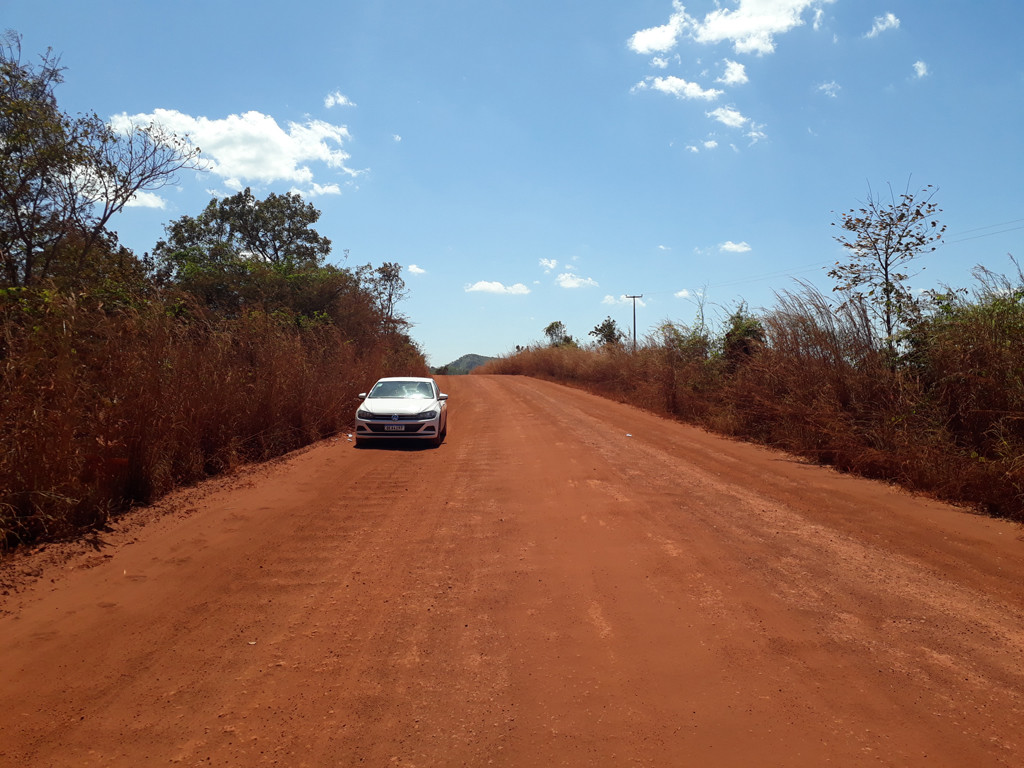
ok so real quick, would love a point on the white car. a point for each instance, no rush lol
(401, 407)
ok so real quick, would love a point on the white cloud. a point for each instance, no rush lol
(659, 62)
(730, 247)
(571, 280)
(883, 24)
(664, 248)
(683, 294)
(735, 74)
(752, 26)
(830, 89)
(337, 99)
(756, 133)
(396, 138)
(920, 69)
(253, 148)
(415, 270)
(316, 190)
(663, 38)
(691, 148)
(676, 86)
(710, 144)
(146, 200)
(548, 264)
(623, 299)
(483, 286)
(729, 116)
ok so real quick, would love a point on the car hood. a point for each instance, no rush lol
(388, 405)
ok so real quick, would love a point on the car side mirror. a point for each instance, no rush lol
(361, 395)
(442, 397)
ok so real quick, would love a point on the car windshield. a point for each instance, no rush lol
(406, 390)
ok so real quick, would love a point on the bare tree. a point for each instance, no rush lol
(62, 178)
(882, 237)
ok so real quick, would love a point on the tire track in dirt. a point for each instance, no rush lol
(542, 590)
(897, 617)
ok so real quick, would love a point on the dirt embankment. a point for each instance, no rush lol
(566, 581)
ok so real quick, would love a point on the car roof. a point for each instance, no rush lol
(405, 378)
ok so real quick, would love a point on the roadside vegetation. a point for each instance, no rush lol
(922, 390)
(122, 377)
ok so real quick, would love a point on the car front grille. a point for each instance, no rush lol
(408, 429)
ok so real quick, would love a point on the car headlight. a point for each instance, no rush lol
(432, 414)
(361, 414)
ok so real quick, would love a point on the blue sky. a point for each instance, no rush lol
(531, 161)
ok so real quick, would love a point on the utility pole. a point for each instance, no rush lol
(634, 298)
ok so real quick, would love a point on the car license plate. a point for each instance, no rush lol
(394, 428)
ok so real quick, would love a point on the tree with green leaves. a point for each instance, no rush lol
(558, 336)
(277, 231)
(744, 337)
(62, 178)
(244, 252)
(386, 285)
(881, 238)
(607, 333)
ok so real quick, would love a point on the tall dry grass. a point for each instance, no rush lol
(945, 418)
(101, 409)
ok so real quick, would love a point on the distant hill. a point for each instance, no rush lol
(463, 365)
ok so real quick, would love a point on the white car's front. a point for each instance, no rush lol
(404, 408)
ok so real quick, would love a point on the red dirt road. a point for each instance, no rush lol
(565, 582)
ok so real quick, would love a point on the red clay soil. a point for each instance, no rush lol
(565, 582)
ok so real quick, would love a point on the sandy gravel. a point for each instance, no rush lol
(565, 582)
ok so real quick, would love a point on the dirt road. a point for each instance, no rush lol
(565, 582)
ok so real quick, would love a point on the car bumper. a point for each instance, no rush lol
(385, 428)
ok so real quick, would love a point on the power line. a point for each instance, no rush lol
(757, 278)
(822, 265)
(987, 234)
(989, 226)
(771, 275)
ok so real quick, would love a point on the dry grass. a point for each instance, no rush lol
(103, 409)
(946, 418)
